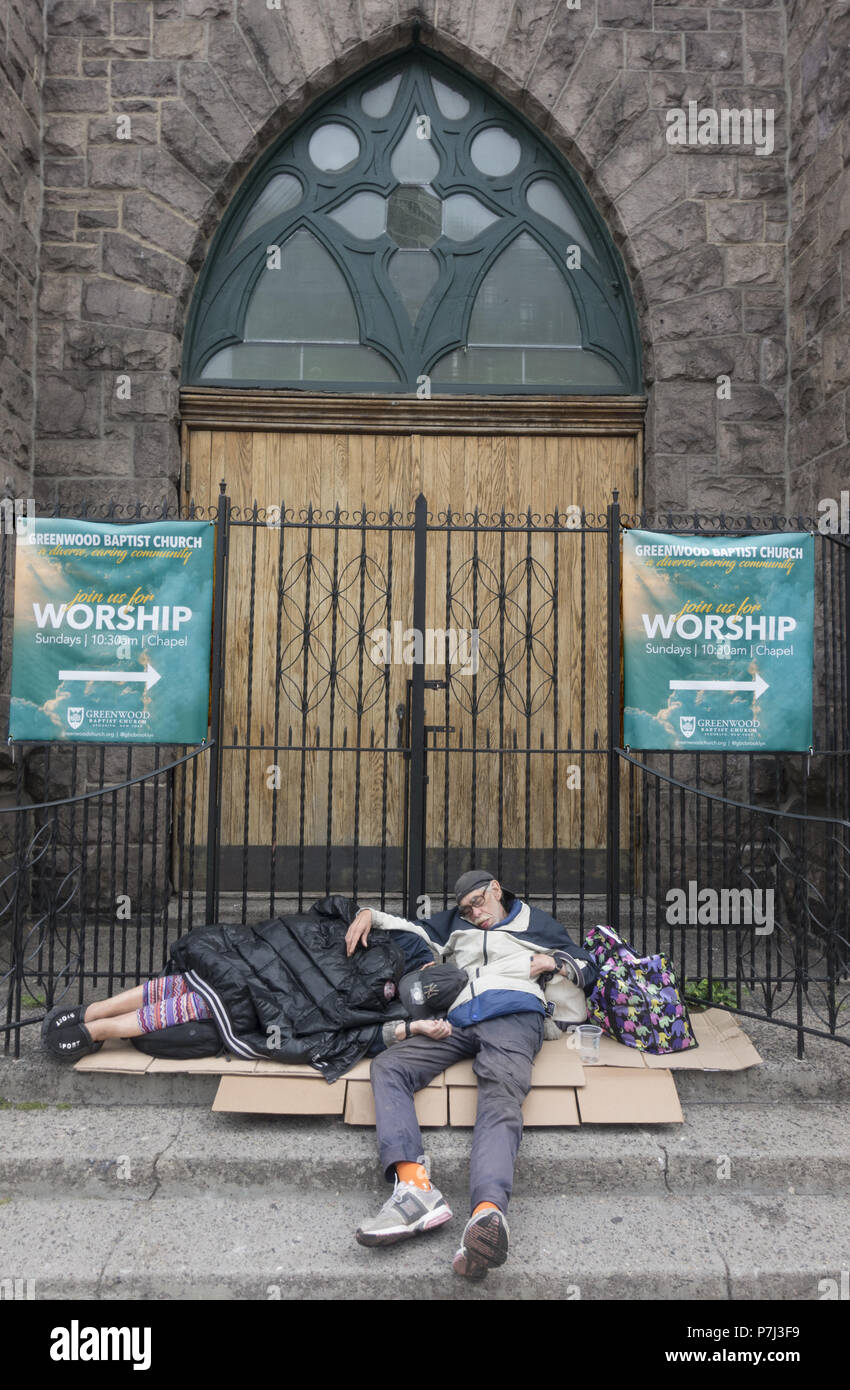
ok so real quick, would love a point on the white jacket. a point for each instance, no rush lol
(497, 963)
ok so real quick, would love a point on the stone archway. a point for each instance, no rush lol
(127, 222)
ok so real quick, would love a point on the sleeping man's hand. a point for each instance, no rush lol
(358, 932)
(431, 1027)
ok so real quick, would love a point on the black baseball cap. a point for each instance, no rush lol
(432, 990)
(472, 879)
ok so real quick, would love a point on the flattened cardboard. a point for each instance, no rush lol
(626, 1087)
(460, 1074)
(431, 1104)
(121, 1056)
(362, 1070)
(203, 1066)
(624, 1096)
(285, 1095)
(268, 1067)
(556, 1064)
(614, 1054)
(115, 1056)
(551, 1105)
(723, 1046)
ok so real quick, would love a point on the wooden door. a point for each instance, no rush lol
(313, 722)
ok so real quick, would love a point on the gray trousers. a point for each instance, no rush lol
(503, 1050)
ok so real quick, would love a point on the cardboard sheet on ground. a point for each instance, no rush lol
(280, 1095)
(431, 1105)
(723, 1046)
(119, 1057)
(627, 1087)
(621, 1096)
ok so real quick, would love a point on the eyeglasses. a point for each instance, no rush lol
(474, 906)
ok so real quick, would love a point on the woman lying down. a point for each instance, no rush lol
(169, 1000)
(284, 990)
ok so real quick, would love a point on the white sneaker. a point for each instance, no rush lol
(409, 1212)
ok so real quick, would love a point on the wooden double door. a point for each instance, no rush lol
(320, 637)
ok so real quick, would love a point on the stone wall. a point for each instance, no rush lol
(21, 67)
(819, 166)
(208, 84)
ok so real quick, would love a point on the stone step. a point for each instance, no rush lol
(300, 1245)
(128, 1153)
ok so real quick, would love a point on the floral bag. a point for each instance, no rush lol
(636, 999)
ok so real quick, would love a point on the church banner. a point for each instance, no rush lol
(112, 631)
(718, 641)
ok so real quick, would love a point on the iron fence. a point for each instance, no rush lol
(751, 903)
(343, 757)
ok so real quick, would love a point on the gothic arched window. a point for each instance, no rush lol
(414, 227)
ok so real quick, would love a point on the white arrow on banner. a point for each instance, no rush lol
(149, 676)
(758, 685)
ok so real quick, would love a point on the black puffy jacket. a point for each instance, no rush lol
(285, 990)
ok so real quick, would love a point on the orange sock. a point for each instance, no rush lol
(415, 1173)
(486, 1206)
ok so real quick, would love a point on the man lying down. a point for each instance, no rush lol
(476, 981)
(520, 965)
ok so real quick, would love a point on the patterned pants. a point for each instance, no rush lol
(169, 1000)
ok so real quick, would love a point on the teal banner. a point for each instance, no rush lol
(112, 631)
(718, 641)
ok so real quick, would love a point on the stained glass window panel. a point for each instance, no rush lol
(568, 367)
(415, 217)
(378, 101)
(415, 159)
(495, 152)
(307, 297)
(453, 104)
(464, 217)
(256, 362)
(479, 366)
(333, 147)
(365, 215)
(279, 195)
(545, 197)
(354, 364)
(414, 274)
(524, 299)
(526, 367)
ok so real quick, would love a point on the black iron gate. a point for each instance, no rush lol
(337, 765)
(482, 729)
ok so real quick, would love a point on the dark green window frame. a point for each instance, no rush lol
(599, 288)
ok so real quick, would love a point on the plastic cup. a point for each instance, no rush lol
(589, 1036)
